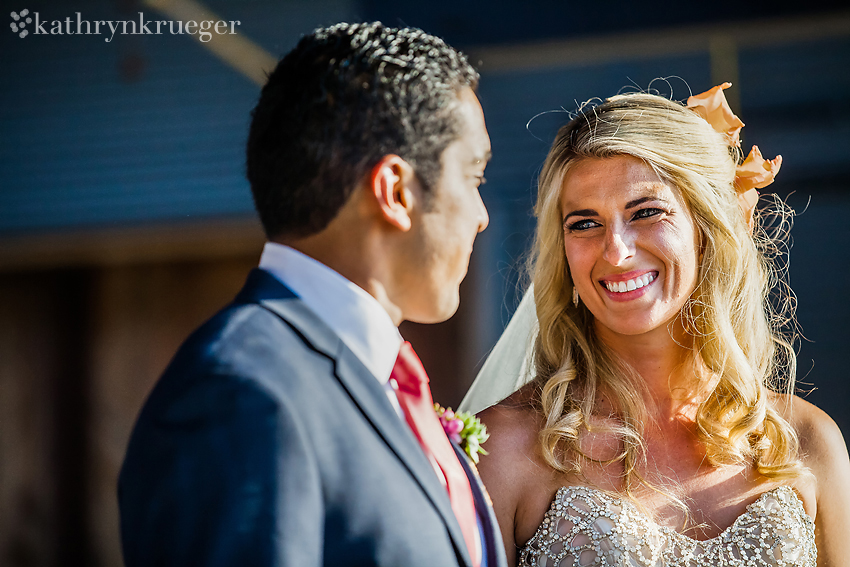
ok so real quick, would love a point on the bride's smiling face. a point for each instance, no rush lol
(631, 244)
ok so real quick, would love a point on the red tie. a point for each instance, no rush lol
(414, 396)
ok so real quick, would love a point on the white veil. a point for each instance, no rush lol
(510, 364)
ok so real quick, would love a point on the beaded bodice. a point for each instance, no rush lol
(586, 527)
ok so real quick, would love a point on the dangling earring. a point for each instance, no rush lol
(575, 296)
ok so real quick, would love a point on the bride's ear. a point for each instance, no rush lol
(390, 182)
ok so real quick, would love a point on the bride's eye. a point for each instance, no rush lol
(646, 213)
(581, 225)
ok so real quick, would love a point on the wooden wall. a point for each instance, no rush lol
(80, 349)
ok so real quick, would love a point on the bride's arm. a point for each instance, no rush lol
(824, 451)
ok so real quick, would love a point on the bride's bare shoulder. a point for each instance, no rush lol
(519, 481)
(820, 438)
(824, 452)
(513, 463)
(513, 423)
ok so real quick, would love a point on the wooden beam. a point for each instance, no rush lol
(657, 43)
(214, 238)
(235, 50)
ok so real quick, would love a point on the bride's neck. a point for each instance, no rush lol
(672, 373)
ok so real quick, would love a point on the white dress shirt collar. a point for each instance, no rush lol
(355, 316)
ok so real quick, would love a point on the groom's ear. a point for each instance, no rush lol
(391, 183)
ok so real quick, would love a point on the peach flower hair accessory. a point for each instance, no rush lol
(714, 109)
(756, 172)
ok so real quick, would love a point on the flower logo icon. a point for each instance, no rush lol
(20, 23)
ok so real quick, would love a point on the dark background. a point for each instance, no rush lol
(125, 218)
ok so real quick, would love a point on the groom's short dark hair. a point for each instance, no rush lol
(345, 97)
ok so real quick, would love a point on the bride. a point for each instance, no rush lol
(658, 424)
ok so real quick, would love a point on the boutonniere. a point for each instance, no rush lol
(464, 429)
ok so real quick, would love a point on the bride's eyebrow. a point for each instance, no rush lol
(642, 200)
(581, 213)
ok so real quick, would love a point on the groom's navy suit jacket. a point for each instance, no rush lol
(268, 443)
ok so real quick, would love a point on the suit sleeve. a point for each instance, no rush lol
(221, 475)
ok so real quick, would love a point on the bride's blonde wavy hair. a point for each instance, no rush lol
(740, 334)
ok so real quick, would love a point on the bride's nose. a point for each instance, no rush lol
(619, 246)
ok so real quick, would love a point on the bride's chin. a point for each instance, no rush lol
(627, 326)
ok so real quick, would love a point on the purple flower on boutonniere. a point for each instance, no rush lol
(451, 424)
(464, 429)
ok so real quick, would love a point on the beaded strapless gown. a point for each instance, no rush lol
(586, 527)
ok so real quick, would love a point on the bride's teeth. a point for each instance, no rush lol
(631, 285)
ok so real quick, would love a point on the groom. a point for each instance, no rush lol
(295, 428)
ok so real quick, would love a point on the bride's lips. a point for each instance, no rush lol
(629, 285)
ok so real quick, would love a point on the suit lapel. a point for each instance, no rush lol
(489, 526)
(361, 386)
